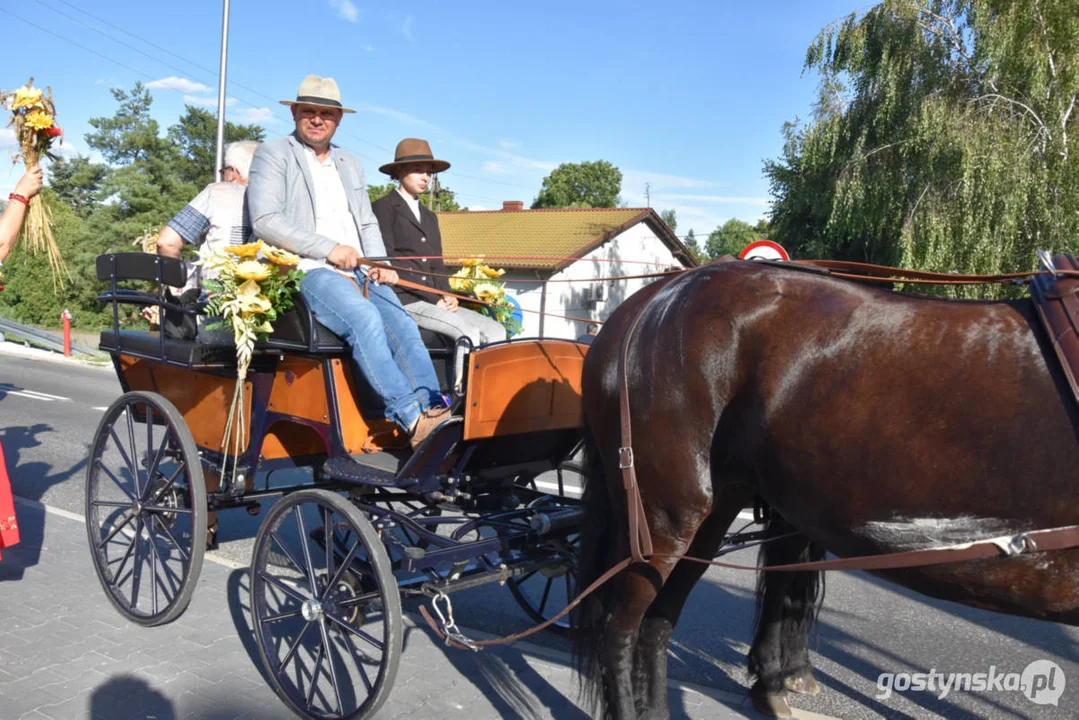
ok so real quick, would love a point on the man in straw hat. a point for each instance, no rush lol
(411, 230)
(310, 197)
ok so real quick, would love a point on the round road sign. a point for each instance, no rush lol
(764, 250)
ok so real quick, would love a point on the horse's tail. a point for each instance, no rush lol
(791, 599)
(597, 542)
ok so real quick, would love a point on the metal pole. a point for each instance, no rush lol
(219, 155)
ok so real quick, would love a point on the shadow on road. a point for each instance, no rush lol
(129, 697)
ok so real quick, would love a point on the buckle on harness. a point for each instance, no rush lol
(625, 458)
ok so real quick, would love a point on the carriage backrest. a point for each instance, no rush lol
(142, 266)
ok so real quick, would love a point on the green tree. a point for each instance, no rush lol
(131, 134)
(588, 184)
(694, 248)
(763, 228)
(195, 136)
(78, 183)
(730, 238)
(668, 216)
(943, 138)
(379, 191)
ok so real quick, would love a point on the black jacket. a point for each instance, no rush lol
(404, 236)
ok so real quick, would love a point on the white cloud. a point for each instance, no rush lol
(497, 168)
(7, 138)
(370, 48)
(178, 83)
(346, 10)
(406, 27)
(255, 115)
(476, 208)
(506, 144)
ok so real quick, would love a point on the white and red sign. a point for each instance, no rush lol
(764, 250)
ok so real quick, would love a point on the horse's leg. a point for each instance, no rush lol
(787, 603)
(672, 534)
(799, 618)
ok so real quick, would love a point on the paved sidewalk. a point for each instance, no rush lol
(66, 654)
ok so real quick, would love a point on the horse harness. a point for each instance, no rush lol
(1054, 285)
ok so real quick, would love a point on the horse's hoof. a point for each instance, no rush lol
(803, 684)
(771, 704)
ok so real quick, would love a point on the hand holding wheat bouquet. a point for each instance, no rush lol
(33, 118)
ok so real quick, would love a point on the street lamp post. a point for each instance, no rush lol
(219, 155)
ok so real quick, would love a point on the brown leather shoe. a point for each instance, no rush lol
(429, 420)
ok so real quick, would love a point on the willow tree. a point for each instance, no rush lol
(943, 137)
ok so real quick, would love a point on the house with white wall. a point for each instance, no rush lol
(541, 249)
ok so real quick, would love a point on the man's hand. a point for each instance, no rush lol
(448, 302)
(383, 276)
(29, 184)
(343, 257)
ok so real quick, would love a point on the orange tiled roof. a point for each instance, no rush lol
(548, 235)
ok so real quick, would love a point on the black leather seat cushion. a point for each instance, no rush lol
(140, 342)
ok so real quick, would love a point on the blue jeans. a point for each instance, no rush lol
(384, 339)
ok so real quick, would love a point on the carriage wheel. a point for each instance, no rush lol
(325, 607)
(146, 508)
(544, 593)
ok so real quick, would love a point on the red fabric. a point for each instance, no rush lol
(9, 528)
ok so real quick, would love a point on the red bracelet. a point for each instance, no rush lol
(21, 198)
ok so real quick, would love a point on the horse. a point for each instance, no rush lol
(869, 421)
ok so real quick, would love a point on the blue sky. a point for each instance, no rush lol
(689, 97)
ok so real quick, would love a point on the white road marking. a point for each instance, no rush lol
(574, 491)
(33, 394)
(103, 408)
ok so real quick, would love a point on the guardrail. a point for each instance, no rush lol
(43, 339)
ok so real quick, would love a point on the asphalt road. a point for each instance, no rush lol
(49, 410)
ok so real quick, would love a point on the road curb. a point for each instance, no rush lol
(10, 347)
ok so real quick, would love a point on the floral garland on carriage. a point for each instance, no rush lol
(481, 282)
(248, 288)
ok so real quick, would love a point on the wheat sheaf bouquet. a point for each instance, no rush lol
(248, 288)
(481, 282)
(33, 119)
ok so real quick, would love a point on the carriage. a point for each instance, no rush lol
(363, 522)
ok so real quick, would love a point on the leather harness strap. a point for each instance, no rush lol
(640, 537)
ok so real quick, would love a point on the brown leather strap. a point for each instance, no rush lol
(1036, 541)
(882, 273)
(640, 537)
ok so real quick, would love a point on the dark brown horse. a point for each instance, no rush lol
(868, 420)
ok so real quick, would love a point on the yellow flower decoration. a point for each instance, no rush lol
(491, 272)
(488, 292)
(248, 289)
(471, 262)
(249, 250)
(280, 257)
(26, 96)
(39, 120)
(252, 304)
(461, 281)
(252, 270)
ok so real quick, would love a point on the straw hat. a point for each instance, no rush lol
(315, 90)
(414, 150)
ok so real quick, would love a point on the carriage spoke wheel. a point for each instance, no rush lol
(545, 592)
(146, 508)
(325, 607)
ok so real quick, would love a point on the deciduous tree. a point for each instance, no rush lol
(588, 184)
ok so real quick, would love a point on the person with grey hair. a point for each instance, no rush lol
(217, 217)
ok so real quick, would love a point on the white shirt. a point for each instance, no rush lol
(332, 217)
(413, 202)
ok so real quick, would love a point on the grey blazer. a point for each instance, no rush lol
(281, 201)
